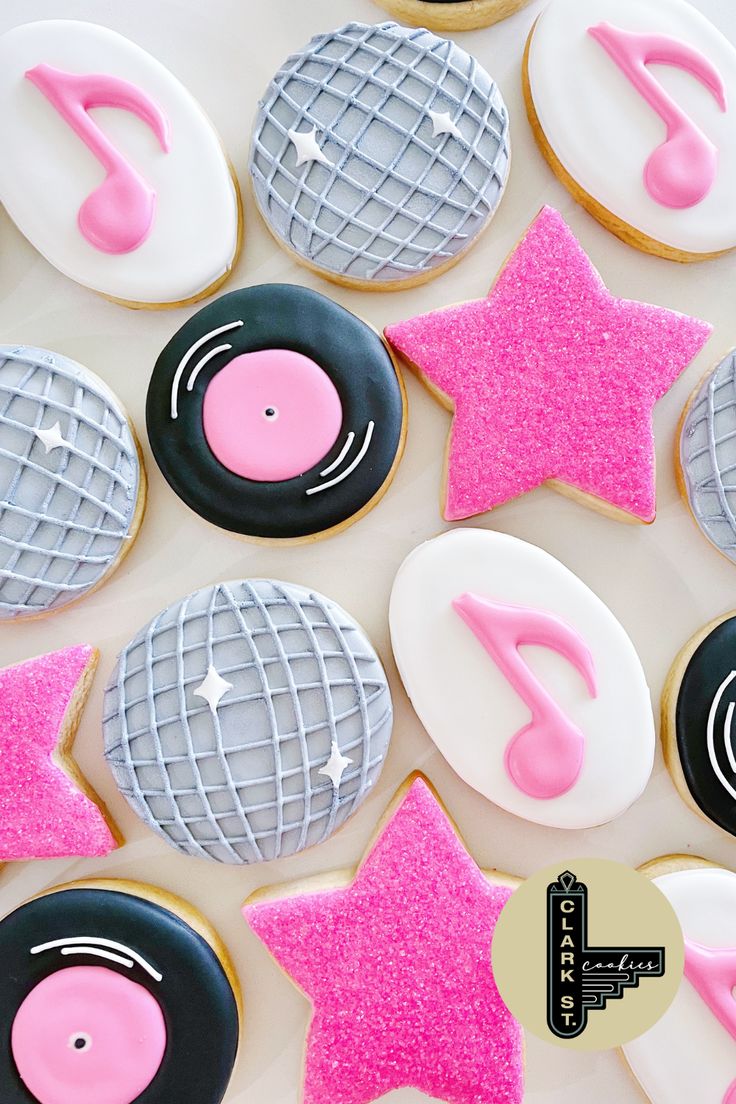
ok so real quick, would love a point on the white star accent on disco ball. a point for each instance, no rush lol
(335, 766)
(443, 124)
(51, 438)
(213, 688)
(305, 144)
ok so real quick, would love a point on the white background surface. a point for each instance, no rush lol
(663, 582)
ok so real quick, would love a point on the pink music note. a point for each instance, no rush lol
(681, 171)
(545, 757)
(712, 973)
(117, 217)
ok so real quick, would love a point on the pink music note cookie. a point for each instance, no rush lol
(690, 1054)
(551, 379)
(47, 809)
(116, 175)
(396, 963)
(523, 678)
(632, 103)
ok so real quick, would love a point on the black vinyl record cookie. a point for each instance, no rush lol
(275, 413)
(109, 996)
(699, 722)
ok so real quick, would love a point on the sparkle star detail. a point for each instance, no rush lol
(397, 966)
(44, 812)
(443, 124)
(305, 144)
(335, 766)
(51, 438)
(551, 379)
(213, 688)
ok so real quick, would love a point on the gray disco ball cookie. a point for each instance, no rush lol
(71, 482)
(708, 456)
(247, 721)
(380, 153)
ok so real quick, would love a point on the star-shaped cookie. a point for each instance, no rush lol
(397, 966)
(552, 379)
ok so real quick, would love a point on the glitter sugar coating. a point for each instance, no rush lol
(397, 967)
(43, 814)
(550, 377)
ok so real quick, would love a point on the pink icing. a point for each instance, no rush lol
(681, 171)
(42, 813)
(545, 757)
(271, 415)
(398, 969)
(117, 217)
(87, 1035)
(712, 972)
(551, 377)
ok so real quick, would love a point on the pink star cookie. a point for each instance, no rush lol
(397, 966)
(551, 379)
(46, 809)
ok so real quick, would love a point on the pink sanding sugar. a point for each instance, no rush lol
(551, 377)
(398, 969)
(43, 814)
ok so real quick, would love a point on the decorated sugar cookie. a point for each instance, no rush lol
(706, 459)
(47, 810)
(137, 202)
(690, 1053)
(277, 414)
(247, 721)
(72, 483)
(396, 964)
(118, 993)
(451, 15)
(551, 379)
(632, 103)
(379, 154)
(697, 709)
(524, 679)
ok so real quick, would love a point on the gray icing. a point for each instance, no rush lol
(65, 513)
(394, 200)
(708, 456)
(239, 781)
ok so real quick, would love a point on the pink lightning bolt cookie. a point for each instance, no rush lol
(397, 967)
(551, 379)
(47, 810)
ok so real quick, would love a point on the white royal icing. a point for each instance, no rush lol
(469, 708)
(47, 171)
(689, 1055)
(603, 131)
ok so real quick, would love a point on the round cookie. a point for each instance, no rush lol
(697, 706)
(72, 482)
(275, 413)
(706, 456)
(451, 15)
(689, 1053)
(247, 721)
(562, 735)
(379, 155)
(630, 102)
(119, 993)
(140, 203)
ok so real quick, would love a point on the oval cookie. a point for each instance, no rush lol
(119, 993)
(277, 414)
(72, 483)
(707, 456)
(690, 1053)
(137, 203)
(247, 721)
(632, 104)
(697, 708)
(451, 15)
(561, 735)
(379, 154)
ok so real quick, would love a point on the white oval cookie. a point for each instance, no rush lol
(690, 1054)
(635, 102)
(111, 169)
(560, 733)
